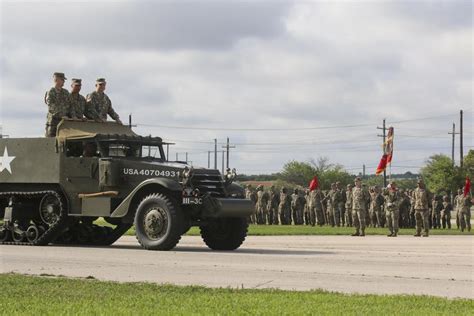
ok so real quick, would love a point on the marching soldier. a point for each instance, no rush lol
(422, 212)
(284, 208)
(272, 206)
(57, 100)
(446, 212)
(359, 208)
(101, 103)
(465, 211)
(392, 201)
(349, 205)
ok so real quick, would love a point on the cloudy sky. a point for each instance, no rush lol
(283, 79)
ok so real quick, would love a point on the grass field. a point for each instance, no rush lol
(27, 295)
(267, 230)
(284, 230)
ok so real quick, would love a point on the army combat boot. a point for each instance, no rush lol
(362, 234)
(395, 234)
(390, 235)
(356, 233)
(426, 233)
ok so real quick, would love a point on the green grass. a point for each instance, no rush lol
(280, 230)
(27, 295)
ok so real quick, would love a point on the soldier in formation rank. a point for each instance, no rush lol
(359, 207)
(422, 213)
(392, 202)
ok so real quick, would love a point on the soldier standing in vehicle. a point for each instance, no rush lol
(101, 103)
(446, 213)
(359, 208)
(57, 100)
(272, 206)
(284, 208)
(422, 212)
(349, 205)
(465, 211)
(262, 201)
(78, 107)
(392, 201)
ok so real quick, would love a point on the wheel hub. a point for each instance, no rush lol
(155, 223)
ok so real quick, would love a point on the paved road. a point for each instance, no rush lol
(438, 265)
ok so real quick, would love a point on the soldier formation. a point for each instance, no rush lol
(72, 105)
(358, 206)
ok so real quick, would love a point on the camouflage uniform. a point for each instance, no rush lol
(339, 205)
(465, 212)
(457, 206)
(392, 212)
(284, 208)
(316, 204)
(437, 206)
(297, 205)
(412, 209)
(376, 208)
(359, 210)
(446, 213)
(307, 216)
(262, 201)
(57, 101)
(252, 196)
(332, 201)
(349, 205)
(272, 206)
(101, 103)
(404, 210)
(422, 212)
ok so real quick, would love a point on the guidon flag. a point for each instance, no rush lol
(314, 184)
(387, 153)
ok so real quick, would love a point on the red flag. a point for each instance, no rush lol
(387, 153)
(313, 185)
(467, 187)
(382, 165)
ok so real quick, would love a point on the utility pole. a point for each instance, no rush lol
(215, 153)
(130, 125)
(461, 138)
(228, 147)
(363, 171)
(223, 152)
(208, 159)
(186, 157)
(453, 142)
(384, 129)
(167, 152)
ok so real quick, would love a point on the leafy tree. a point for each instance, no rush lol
(440, 174)
(468, 165)
(299, 173)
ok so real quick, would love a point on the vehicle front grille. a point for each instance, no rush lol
(208, 181)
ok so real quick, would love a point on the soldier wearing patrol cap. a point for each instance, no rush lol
(57, 100)
(359, 207)
(422, 212)
(101, 103)
(79, 109)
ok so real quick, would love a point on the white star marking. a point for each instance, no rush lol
(5, 161)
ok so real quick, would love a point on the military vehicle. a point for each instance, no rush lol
(94, 181)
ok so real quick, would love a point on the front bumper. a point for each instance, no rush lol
(221, 208)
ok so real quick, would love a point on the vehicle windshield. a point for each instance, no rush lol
(114, 149)
(131, 150)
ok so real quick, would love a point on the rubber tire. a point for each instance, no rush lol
(235, 233)
(175, 222)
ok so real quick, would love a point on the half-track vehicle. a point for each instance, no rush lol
(92, 182)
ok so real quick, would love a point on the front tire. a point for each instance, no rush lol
(158, 222)
(225, 233)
